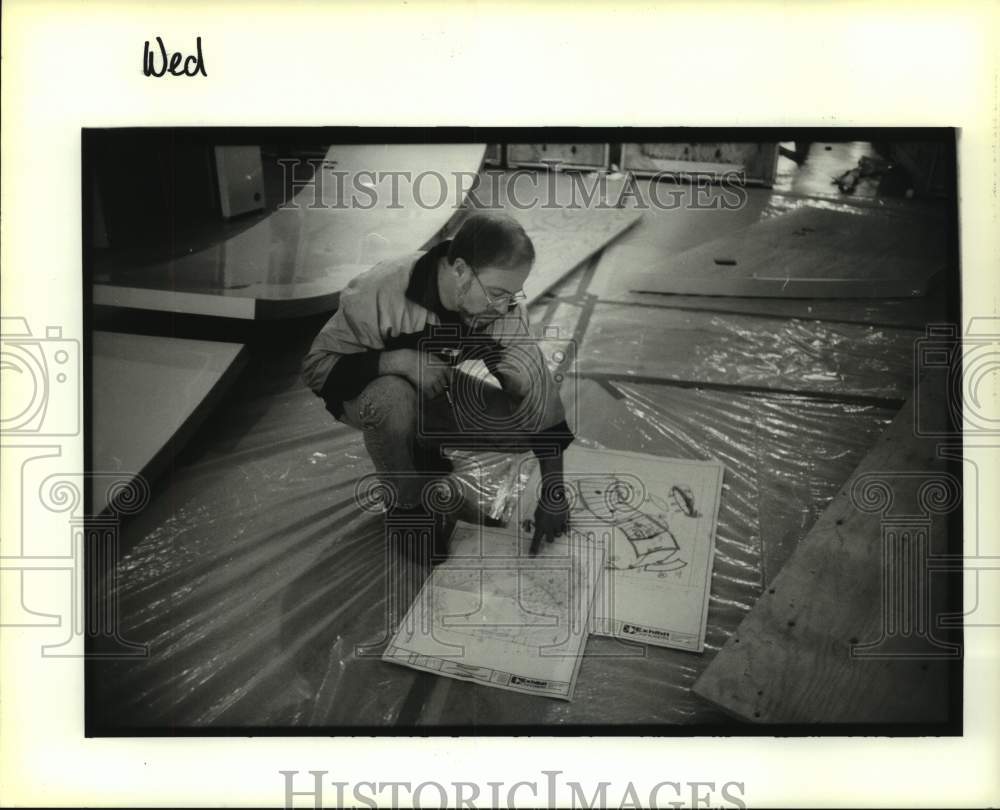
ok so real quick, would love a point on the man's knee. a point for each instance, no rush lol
(388, 403)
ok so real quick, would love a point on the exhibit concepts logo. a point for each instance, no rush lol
(649, 632)
(54, 540)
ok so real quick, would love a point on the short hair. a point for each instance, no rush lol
(492, 240)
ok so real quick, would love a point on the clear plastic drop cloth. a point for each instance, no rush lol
(835, 359)
(258, 582)
(259, 585)
(785, 456)
(254, 580)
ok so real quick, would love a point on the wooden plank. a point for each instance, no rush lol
(218, 306)
(149, 395)
(791, 661)
(814, 253)
(565, 238)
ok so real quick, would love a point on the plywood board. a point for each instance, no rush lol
(657, 518)
(493, 615)
(146, 391)
(818, 646)
(812, 253)
(143, 298)
(630, 263)
(298, 259)
(564, 238)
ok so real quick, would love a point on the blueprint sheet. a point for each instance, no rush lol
(496, 616)
(657, 518)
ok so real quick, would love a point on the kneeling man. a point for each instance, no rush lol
(385, 364)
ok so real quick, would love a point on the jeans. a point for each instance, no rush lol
(400, 426)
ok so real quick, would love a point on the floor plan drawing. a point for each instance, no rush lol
(656, 517)
(495, 615)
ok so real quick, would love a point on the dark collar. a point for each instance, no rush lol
(423, 286)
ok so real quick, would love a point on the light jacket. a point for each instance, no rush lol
(396, 305)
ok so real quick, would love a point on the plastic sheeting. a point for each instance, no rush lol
(253, 579)
(740, 350)
(785, 458)
(254, 575)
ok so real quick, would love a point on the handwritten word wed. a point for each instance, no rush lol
(171, 63)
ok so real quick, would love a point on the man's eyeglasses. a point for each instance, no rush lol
(503, 301)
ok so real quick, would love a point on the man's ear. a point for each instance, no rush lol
(461, 267)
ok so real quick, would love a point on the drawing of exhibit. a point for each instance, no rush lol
(649, 533)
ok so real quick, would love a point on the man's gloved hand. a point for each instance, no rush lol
(551, 514)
